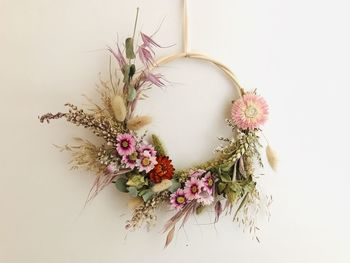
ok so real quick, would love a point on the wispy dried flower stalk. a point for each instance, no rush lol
(99, 125)
(84, 155)
(146, 212)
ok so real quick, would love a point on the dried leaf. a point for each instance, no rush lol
(170, 236)
(218, 211)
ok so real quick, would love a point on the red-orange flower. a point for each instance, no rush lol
(163, 170)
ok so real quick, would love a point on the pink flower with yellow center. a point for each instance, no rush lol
(126, 144)
(193, 188)
(147, 148)
(130, 161)
(208, 182)
(146, 162)
(249, 112)
(178, 199)
(206, 197)
(197, 173)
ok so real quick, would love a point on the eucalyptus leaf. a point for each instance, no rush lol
(120, 184)
(133, 191)
(131, 93)
(147, 194)
(129, 48)
(174, 185)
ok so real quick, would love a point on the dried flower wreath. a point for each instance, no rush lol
(145, 171)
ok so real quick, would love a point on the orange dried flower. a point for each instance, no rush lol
(163, 170)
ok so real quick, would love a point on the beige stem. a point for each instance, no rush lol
(186, 54)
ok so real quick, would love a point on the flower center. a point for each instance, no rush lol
(125, 144)
(146, 161)
(133, 156)
(210, 182)
(180, 199)
(251, 112)
(194, 189)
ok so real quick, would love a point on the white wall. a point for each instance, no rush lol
(296, 52)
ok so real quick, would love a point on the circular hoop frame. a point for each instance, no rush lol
(202, 57)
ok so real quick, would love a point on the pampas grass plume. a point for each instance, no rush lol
(271, 157)
(119, 108)
(138, 122)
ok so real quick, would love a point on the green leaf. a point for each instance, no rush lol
(225, 178)
(147, 194)
(133, 191)
(221, 187)
(158, 145)
(132, 71)
(129, 48)
(131, 93)
(120, 184)
(174, 186)
(126, 73)
(226, 167)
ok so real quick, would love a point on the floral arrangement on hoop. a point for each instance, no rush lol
(143, 169)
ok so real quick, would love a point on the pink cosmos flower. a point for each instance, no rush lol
(147, 148)
(208, 182)
(178, 199)
(249, 112)
(193, 188)
(197, 173)
(206, 197)
(126, 144)
(146, 162)
(130, 161)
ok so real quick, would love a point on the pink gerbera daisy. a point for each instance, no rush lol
(249, 112)
(193, 188)
(208, 182)
(178, 199)
(130, 161)
(146, 162)
(126, 144)
(147, 148)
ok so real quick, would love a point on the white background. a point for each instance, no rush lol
(296, 52)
